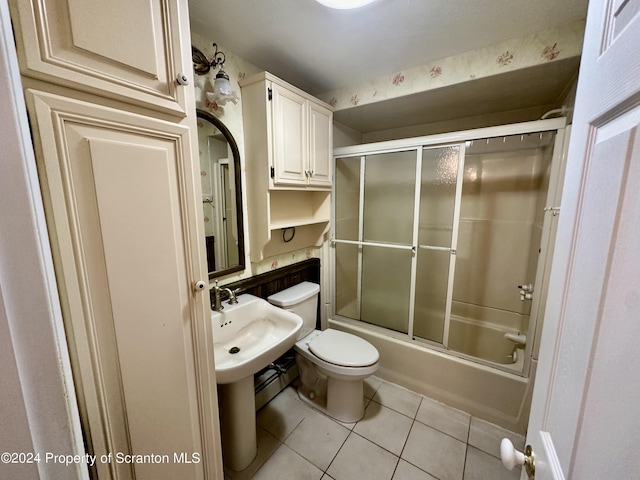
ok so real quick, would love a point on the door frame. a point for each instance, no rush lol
(29, 302)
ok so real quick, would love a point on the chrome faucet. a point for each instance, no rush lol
(217, 298)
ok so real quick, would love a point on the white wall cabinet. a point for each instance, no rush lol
(119, 49)
(288, 150)
(121, 189)
(298, 144)
(302, 145)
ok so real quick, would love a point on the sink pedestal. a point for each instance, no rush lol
(238, 423)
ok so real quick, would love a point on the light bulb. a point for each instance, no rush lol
(344, 4)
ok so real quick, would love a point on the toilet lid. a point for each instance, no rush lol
(341, 348)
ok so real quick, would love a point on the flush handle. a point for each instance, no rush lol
(512, 457)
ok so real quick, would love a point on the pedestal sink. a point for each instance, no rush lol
(247, 336)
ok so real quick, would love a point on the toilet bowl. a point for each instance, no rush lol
(332, 364)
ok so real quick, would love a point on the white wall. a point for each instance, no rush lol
(39, 412)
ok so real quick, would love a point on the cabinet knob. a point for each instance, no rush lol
(182, 79)
(199, 286)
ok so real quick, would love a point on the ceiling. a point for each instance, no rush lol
(319, 49)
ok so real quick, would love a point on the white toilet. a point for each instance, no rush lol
(332, 364)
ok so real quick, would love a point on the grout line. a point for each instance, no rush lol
(337, 453)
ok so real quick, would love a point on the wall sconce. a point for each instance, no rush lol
(222, 91)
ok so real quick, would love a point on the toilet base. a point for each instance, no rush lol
(344, 400)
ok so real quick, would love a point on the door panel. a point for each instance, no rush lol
(609, 390)
(116, 196)
(389, 197)
(583, 402)
(290, 137)
(320, 145)
(439, 190)
(59, 42)
(386, 287)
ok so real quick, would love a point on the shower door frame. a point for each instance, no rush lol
(447, 140)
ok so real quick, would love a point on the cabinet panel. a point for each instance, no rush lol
(320, 145)
(117, 189)
(63, 42)
(290, 137)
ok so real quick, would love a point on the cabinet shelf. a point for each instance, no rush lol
(293, 208)
(295, 222)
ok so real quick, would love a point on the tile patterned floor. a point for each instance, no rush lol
(402, 436)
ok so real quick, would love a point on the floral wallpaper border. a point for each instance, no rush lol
(541, 47)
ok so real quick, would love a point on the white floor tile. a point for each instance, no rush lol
(398, 398)
(406, 471)
(442, 417)
(435, 452)
(285, 464)
(384, 427)
(487, 436)
(371, 384)
(282, 414)
(429, 447)
(318, 439)
(361, 459)
(482, 466)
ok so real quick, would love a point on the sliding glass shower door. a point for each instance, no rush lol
(440, 188)
(395, 239)
(447, 239)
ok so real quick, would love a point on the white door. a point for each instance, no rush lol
(585, 415)
(117, 191)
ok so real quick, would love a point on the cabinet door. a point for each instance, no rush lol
(320, 145)
(290, 153)
(120, 203)
(122, 49)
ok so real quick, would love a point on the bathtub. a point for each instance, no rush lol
(472, 338)
(484, 391)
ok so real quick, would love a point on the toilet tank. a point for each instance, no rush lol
(301, 299)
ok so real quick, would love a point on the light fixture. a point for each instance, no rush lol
(344, 4)
(222, 91)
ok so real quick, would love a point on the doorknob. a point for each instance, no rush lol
(512, 457)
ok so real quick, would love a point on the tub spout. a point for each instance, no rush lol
(516, 338)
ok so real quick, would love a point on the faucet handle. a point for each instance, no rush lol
(233, 296)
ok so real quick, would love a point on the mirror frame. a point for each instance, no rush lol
(238, 181)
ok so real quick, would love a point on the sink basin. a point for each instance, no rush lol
(250, 335)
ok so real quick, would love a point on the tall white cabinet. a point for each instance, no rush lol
(114, 135)
(288, 149)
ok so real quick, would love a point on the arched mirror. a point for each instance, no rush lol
(221, 196)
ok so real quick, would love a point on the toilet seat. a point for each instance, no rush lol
(345, 349)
